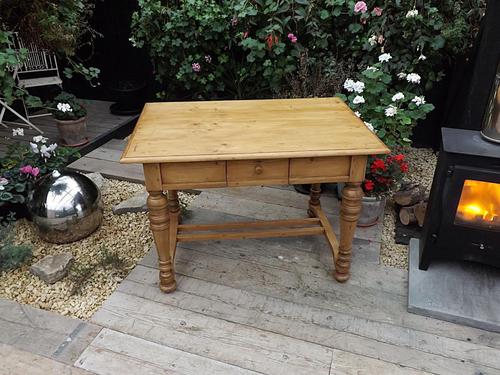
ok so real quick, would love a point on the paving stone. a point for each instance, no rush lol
(457, 291)
(135, 204)
(52, 268)
(97, 178)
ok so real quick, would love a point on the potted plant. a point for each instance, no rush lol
(71, 119)
(383, 175)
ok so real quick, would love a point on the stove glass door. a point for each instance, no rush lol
(479, 205)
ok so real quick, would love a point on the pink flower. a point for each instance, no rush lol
(377, 11)
(234, 21)
(196, 67)
(35, 171)
(245, 35)
(360, 7)
(292, 38)
(27, 169)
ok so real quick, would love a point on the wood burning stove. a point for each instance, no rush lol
(463, 215)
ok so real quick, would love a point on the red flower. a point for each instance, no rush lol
(378, 164)
(271, 40)
(399, 157)
(369, 185)
(404, 167)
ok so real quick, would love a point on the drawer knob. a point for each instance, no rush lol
(259, 169)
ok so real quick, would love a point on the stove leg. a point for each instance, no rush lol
(352, 195)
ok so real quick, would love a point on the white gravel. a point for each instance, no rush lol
(422, 163)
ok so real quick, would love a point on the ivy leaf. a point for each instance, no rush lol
(324, 14)
(355, 27)
(438, 42)
(5, 196)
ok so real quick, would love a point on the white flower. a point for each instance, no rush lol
(369, 126)
(64, 107)
(18, 131)
(384, 57)
(358, 87)
(34, 147)
(391, 111)
(358, 99)
(398, 96)
(412, 13)
(52, 147)
(45, 151)
(40, 139)
(401, 75)
(3, 181)
(357, 114)
(418, 100)
(349, 85)
(413, 78)
(372, 68)
(372, 40)
(422, 57)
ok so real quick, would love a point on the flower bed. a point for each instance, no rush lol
(102, 260)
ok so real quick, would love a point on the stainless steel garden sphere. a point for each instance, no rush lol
(65, 207)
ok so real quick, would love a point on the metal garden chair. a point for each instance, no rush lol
(39, 69)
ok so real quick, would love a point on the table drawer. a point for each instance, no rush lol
(321, 169)
(193, 175)
(257, 172)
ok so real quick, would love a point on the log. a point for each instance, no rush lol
(413, 214)
(410, 195)
(407, 216)
(419, 211)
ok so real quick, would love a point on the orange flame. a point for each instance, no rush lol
(480, 202)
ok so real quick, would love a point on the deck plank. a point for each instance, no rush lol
(19, 362)
(249, 348)
(99, 122)
(113, 352)
(323, 325)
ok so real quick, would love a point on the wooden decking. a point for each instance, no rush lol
(270, 306)
(101, 125)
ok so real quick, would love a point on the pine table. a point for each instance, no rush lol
(192, 145)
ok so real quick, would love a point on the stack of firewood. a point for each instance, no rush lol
(412, 200)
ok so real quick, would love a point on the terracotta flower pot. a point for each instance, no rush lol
(371, 209)
(73, 132)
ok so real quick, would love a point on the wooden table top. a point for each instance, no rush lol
(248, 129)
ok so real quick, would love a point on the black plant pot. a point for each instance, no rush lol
(130, 96)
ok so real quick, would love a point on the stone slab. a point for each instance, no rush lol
(137, 203)
(459, 292)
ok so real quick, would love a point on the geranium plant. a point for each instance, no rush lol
(23, 164)
(384, 174)
(65, 106)
(388, 103)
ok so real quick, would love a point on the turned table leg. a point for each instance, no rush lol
(352, 195)
(174, 214)
(159, 223)
(314, 201)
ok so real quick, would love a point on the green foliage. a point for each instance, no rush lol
(246, 49)
(388, 104)
(11, 255)
(61, 26)
(9, 59)
(65, 106)
(22, 165)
